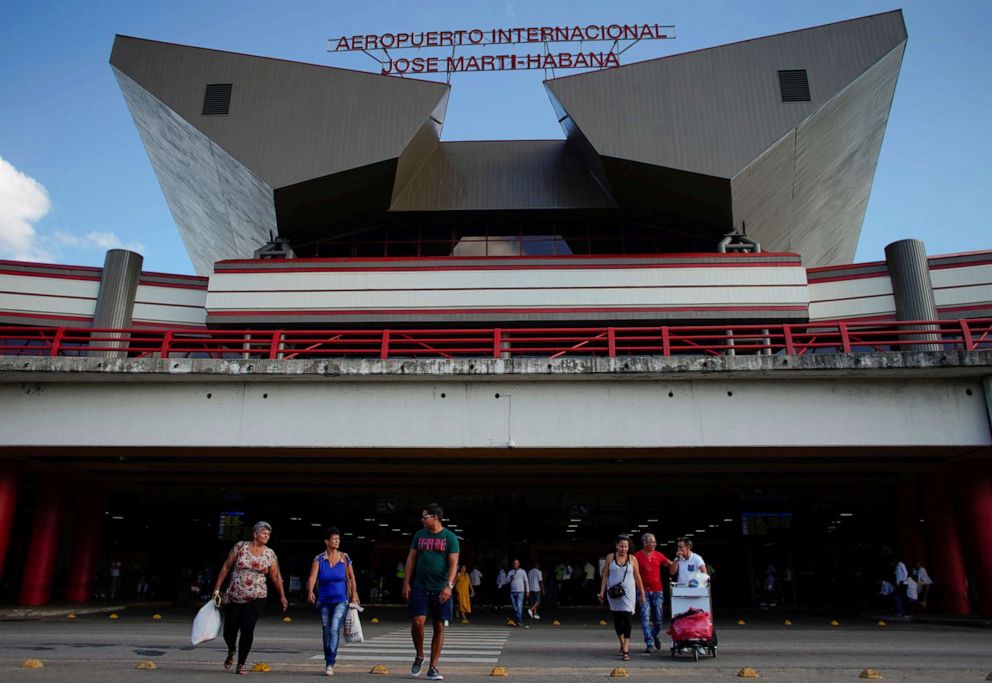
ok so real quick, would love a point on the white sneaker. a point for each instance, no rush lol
(329, 670)
(530, 613)
(536, 616)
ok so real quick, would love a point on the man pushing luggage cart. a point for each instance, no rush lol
(692, 616)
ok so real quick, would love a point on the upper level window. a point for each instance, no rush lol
(794, 85)
(217, 99)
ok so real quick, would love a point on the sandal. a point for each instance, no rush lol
(243, 669)
(229, 662)
(625, 656)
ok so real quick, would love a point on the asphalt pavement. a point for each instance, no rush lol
(94, 647)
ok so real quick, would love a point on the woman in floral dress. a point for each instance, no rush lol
(249, 564)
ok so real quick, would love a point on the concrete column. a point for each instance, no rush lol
(911, 287)
(945, 561)
(43, 548)
(86, 546)
(976, 485)
(115, 299)
(10, 487)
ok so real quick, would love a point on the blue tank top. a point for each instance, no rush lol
(332, 582)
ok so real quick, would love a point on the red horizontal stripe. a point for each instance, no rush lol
(54, 276)
(591, 257)
(845, 266)
(289, 292)
(176, 285)
(446, 311)
(45, 316)
(945, 266)
(446, 269)
(40, 266)
(839, 278)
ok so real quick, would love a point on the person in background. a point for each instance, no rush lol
(650, 562)
(501, 581)
(923, 581)
(475, 576)
(621, 586)
(464, 592)
(519, 591)
(901, 576)
(334, 577)
(249, 564)
(535, 577)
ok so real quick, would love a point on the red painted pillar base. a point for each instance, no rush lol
(86, 547)
(977, 505)
(910, 534)
(945, 562)
(10, 486)
(43, 546)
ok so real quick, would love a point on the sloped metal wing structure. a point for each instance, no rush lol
(715, 139)
(296, 144)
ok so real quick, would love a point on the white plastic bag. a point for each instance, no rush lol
(353, 625)
(206, 625)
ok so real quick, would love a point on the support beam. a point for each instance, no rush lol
(976, 487)
(10, 486)
(86, 546)
(39, 567)
(944, 543)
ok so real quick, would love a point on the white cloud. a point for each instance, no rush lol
(23, 202)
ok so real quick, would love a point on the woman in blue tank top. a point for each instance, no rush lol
(334, 578)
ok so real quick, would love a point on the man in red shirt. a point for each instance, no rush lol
(650, 562)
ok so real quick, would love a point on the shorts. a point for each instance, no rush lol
(535, 598)
(423, 602)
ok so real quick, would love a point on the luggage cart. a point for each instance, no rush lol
(684, 598)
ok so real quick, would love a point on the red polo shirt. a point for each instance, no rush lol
(650, 566)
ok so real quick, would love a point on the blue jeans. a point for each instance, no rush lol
(517, 598)
(652, 614)
(332, 619)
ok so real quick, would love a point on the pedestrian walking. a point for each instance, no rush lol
(649, 562)
(501, 582)
(333, 577)
(475, 576)
(519, 590)
(621, 586)
(432, 563)
(464, 592)
(535, 577)
(249, 564)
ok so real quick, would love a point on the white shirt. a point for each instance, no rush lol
(912, 591)
(518, 580)
(590, 571)
(535, 576)
(688, 567)
(901, 573)
(501, 578)
(475, 576)
(923, 578)
(567, 574)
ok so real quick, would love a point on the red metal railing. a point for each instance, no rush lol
(502, 342)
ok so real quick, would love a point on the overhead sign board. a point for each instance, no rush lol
(480, 38)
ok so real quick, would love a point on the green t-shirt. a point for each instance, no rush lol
(431, 570)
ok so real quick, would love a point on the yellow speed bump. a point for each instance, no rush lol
(287, 620)
(835, 623)
(147, 665)
(379, 669)
(556, 623)
(113, 615)
(619, 672)
(32, 664)
(882, 623)
(871, 673)
(499, 671)
(741, 622)
(464, 621)
(602, 622)
(70, 615)
(747, 672)
(788, 622)
(261, 668)
(374, 620)
(157, 617)
(989, 677)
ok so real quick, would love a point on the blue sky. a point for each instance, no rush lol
(75, 180)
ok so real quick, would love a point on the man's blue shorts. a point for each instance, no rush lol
(424, 602)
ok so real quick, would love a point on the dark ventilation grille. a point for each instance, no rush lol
(794, 85)
(217, 99)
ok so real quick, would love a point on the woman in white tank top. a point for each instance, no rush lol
(621, 585)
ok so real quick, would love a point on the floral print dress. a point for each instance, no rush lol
(248, 576)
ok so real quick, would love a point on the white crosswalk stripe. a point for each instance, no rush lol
(461, 644)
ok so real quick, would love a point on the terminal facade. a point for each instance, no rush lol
(654, 324)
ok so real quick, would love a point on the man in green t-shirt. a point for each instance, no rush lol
(432, 564)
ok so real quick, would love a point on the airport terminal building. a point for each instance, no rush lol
(653, 323)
